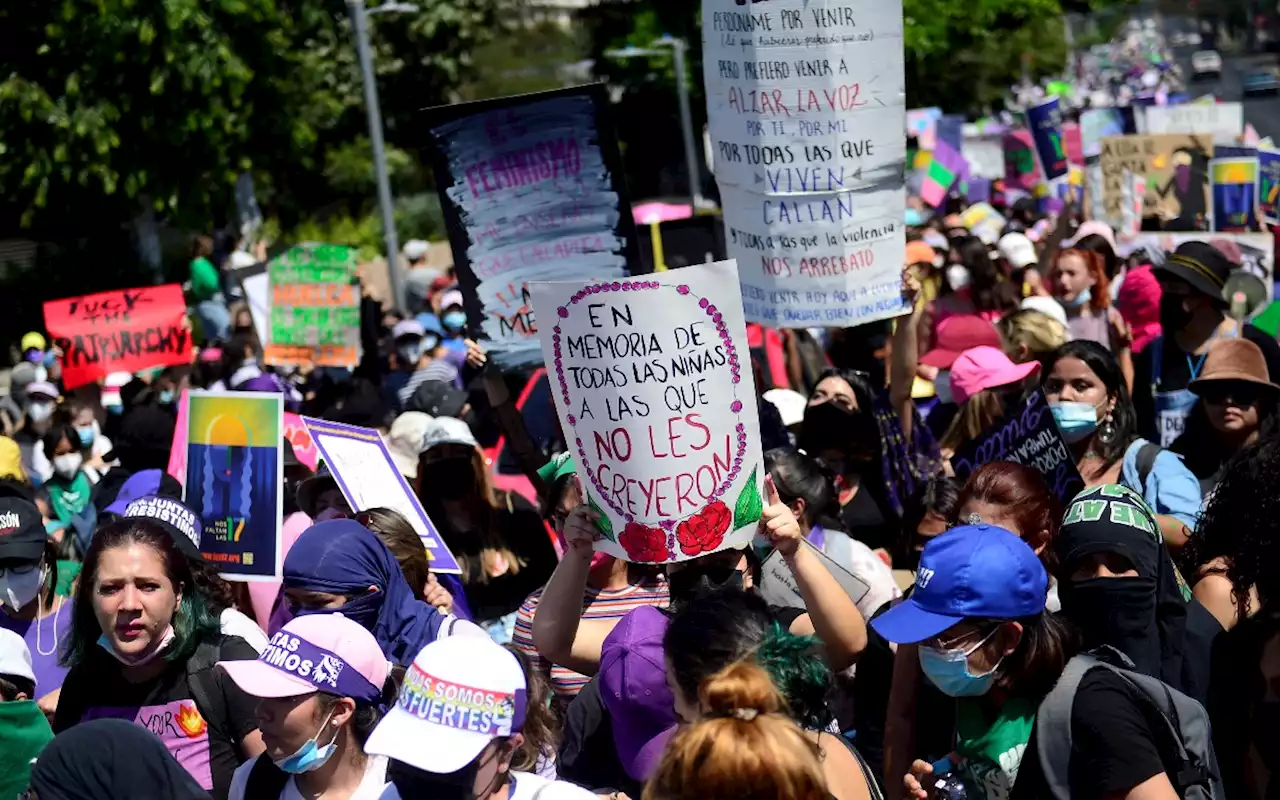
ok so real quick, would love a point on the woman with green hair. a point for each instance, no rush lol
(143, 646)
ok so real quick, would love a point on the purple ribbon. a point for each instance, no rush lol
(322, 669)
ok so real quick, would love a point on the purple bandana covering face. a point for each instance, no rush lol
(322, 669)
(453, 705)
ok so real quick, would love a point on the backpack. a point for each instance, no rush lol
(1185, 740)
(1146, 462)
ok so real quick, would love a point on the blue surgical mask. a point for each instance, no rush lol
(86, 434)
(949, 670)
(1077, 421)
(454, 321)
(1081, 299)
(410, 353)
(310, 756)
(166, 397)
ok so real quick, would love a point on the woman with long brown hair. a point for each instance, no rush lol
(498, 537)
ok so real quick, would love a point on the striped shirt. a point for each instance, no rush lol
(437, 370)
(597, 604)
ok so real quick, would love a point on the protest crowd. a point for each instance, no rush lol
(1014, 538)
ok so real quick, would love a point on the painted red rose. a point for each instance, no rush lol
(644, 544)
(704, 531)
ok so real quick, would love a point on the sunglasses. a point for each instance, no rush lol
(1238, 393)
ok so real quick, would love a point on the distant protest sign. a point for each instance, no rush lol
(1020, 167)
(1096, 124)
(1027, 436)
(1176, 167)
(315, 307)
(1224, 122)
(533, 189)
(1045, 123)
(363, 467)
(1269, 185)
(805, 110)
(652, 381)
(1233, 194)
(123, 331)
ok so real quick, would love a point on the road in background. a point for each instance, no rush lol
(1263, 113)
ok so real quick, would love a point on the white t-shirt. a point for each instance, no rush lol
(527, 787)
(234, 623)
(371, 785)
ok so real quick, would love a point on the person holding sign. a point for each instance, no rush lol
(1086, 392)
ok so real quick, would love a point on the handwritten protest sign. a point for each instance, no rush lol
(778, 585)
(1233, 194)
(805, 110)
(533, 189)
(315, 307)
(123, 331)
(1222, 122)
(235, 478)
(1269, 185)
(1045, 122)
(653, 380)
(1027, 436)
(1176, 167)
(362, 466)
(985, 155)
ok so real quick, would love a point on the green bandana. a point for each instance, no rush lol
(69, 499)
(992, 748)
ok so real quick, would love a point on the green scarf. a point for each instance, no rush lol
(992, 748)
(69, 499)
(24, 732)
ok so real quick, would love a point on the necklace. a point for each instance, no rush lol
(57, 609)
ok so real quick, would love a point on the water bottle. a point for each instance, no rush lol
(945, 782)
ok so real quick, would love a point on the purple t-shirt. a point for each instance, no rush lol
(44, 638)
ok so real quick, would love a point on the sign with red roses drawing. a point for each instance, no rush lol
(652, 381)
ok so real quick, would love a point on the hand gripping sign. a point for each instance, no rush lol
(652, 384)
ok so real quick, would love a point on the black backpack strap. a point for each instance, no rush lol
(200, 678)
(266, 780)
(1146, 462)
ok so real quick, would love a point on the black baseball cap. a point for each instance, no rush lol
(181, 523)
(437, 398)
(22, 534)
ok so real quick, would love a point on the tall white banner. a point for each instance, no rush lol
(806, 111)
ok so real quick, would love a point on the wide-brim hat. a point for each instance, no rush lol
(1204, 267)
(1234, 359)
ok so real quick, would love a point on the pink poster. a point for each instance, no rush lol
(1073, 142)
(178, 450)
(304, 447)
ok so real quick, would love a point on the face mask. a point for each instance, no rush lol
(86, 434)
(1081, 299)
(19, 588)
(454, 321)
(410, 353)
(691, 582)
(413, 782)
(1077, 421)
(1173, 314)
(942, 387)
(166, 397)
(310, 756)
(957, 277)
(68, 465)
(450, 478)
(949, 670)
(40, 412)
(1117, 611)
(363, 610)
(827, 425)
(166, 639)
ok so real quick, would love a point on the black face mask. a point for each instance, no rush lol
(1120, 612)
(413, 782)
(692, 582)
(1173, 314)
(827, 425)
(448, 478)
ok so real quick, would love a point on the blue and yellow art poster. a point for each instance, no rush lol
(234, 480)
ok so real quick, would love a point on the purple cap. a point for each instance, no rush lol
(145, 483)
(633, 686)
(408, 327)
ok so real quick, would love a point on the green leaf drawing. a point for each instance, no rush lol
(603, 523)
(749, 506)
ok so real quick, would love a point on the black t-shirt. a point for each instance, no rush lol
(866, 521)
(1175, 373)
(523, 531)
(587, 754)
(1113, 742)
(205, 741)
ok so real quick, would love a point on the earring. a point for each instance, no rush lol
(1107, 431)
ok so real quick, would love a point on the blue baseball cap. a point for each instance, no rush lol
(970, 571)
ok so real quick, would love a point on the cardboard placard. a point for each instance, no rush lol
(1045, 122)
(369, 478)
(235, 478)
(1027, 436)
(315, 307)
(1233, 194)
(122, 331)
(1176, 167)
(922, 123)
(1269, 185)
(805, 112)
(533, 189)
(778, 586)
(653, 387)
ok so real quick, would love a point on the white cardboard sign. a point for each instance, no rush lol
(806, 109)
(652, 383)
(1224, 120)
